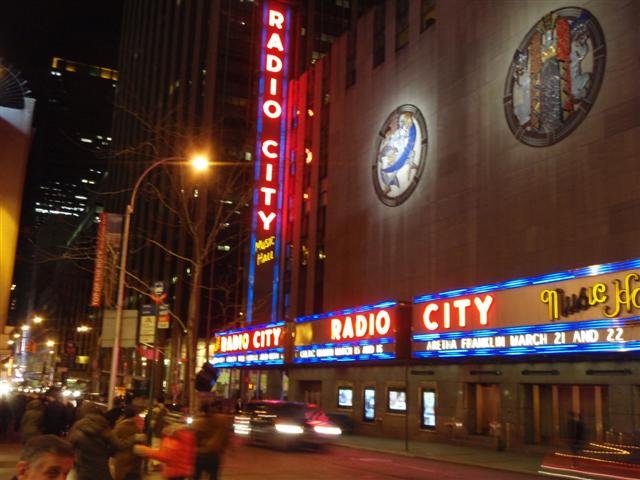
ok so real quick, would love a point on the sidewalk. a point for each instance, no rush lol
(482, 457)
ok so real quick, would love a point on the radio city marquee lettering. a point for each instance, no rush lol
(456, 314)
(621, 296)
(261, 345)
(534, 315)
(364, 333)
(263, 278)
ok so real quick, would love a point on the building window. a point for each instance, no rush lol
(428, 408)
(402, 23)
(369, 404)
(345, 397)
(397, 400)
(378, 34)
(427, 14)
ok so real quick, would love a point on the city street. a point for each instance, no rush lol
(244, 462)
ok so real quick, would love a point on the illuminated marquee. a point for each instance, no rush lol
(254, 346)
(460, 313)
(358, 334)
(263, 280)
(548, 314)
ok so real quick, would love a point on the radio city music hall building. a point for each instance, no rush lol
(451, 200)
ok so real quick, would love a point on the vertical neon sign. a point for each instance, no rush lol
(264, 275)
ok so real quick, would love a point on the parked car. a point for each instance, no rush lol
(283, 424)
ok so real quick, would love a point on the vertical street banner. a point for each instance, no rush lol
(98, 271)
(266, 221)
(112, 258)
(108, 240)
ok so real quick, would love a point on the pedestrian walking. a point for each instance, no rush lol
(126, 464)
(94, 442)
(45, 457)
(31, 423)
(177, 452)
(575, 430)
(212, 429)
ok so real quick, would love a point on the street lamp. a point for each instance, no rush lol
(199, 162)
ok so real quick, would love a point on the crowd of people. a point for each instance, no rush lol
(86, 442)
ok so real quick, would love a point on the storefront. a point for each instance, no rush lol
(250, 361)
(503, 363)
(578, 332)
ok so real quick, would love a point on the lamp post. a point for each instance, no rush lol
(199, 162)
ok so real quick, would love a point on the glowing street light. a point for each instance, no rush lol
(199, 162)
(50, 343)
(37, 319)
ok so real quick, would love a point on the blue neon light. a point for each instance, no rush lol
(229, 360)
(589, 271)
(251, 275)
(346, 311)
(281, 173)
(625, 346)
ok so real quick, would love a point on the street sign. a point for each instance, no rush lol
(163, 316)
(147, 324)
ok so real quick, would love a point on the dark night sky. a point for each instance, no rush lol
(33, 31)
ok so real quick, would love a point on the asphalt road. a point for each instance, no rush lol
(244, 462)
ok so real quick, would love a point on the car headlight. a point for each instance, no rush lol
(325, 430)
(289, 429)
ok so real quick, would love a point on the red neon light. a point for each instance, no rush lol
(363, 325)
(271, 109)
(456, 314)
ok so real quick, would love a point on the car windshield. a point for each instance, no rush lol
(294, 411)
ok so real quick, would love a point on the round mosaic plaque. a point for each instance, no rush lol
(555, 76)
(401, 154)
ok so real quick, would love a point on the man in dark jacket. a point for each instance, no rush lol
(45, 457)
(95, 442)
(54, 421)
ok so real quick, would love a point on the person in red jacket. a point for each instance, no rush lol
(177, 452)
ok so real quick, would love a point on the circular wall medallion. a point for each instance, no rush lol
(555, 76)
(401, 154)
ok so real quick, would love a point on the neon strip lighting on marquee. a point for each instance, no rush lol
(254, 357)
(601, 329)
(538, 280)
(261, 138)
(377, 348)
(346, 311)
(264, 358)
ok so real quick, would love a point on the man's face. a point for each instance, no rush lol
(46, 467)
